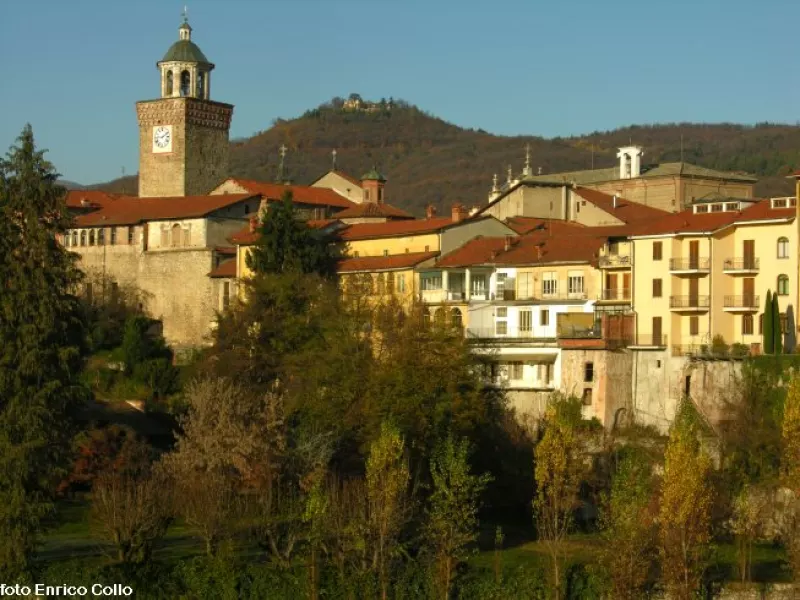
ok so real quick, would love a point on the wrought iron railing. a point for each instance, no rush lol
(693, 263)
(740, 264)
(690, 301)
(618, 260)
(746, 301)
(615, 294)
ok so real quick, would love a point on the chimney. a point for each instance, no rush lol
(253, 224)
(537, 250)
(508, 243)
(458, 212)
(84, 202)
(614, 201)
(430, 211)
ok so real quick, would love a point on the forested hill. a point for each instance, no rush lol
(428, 160)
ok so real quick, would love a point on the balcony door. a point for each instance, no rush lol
(749, 254)
(626, 286)
(656, 341)
(694, 254)
(748, 290)
(694, 292)
(611, 287)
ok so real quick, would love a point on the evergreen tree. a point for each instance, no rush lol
(777, 330)
(287, 244)
(766, 329)
(42, 344)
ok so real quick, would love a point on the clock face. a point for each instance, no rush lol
(162, 138)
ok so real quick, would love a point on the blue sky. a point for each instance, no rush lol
(74, 69)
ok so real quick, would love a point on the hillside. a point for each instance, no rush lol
(430, 161)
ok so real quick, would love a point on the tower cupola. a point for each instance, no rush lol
(185, 70)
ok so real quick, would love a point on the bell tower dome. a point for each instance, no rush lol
(183, 134)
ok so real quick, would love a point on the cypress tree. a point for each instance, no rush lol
(42, 345)
(766, 326)
(287, 244)
(776, 326)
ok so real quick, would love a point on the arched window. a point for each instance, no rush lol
(74, 237)
(201, 85)
(91, 237)
(783, 285)
(101, 236)
(168, 90)
(83, 237)
(783, 247)
(176, 235)
(456, 318)
(440, 317)
(186, 82)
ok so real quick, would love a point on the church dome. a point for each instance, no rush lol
(185, 51)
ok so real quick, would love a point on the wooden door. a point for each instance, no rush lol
(611, 287)
(656, 341)
(748, 291)
(626, 286)
(749, 254)
(694, 292)
(694, 254)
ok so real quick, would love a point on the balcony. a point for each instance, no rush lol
(691, 303)
(489, 333)
(615, 261)
(552, 296)
(746, 303)
(740, 266)
(694, 265)
(649, 340)
(617, 295)
(443, 296)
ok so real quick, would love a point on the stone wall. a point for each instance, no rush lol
(609, 390)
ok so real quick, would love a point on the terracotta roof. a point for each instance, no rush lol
(373, 210)
(129, 210)
(301, 194)
(225, 269)
(476, 251)
(225, 249)
(688, 222)
(625, 210)
(671, 169)
(524, 225)
(363, 231)
(762, 210)
(245, 237)
(89, 198)
(383, 263)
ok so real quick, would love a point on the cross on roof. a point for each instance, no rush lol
(283, 150)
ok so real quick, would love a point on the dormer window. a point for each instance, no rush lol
(700, 209)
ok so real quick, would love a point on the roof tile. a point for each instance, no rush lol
(383, 263)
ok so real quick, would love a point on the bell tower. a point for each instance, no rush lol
(183, 134)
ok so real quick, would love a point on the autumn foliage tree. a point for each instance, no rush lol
(686, 502)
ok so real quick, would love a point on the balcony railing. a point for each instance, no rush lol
(690, 301)
(740, 264)
(656, 340)
(618, 294)
(563, 296)
(693, 263)
(484, 333)
(614, 261)
(749, 301)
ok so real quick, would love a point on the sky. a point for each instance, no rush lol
(74, 70)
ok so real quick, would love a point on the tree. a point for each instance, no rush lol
(560, 467)
(628, 520)
(791, 472)
(777, 329)
(387, 494)
(287, 244)
(686, 501)
(452, 513)
(767, 330)
(42, 347)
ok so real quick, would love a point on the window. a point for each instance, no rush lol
(549, 284)
(588, 372)
(169, 83)
(700, 209)
(113, 236)
(226, 294)
(456, 318)
(657, 288)
(390, 284)
(747, 324)
(74, 237)
(401, 283)
(201, 79)
(164, 237)
(130, 234)
(783, 285)
(575, 284)
(91, 237)
(501, 284)
(386, 253)
(783, 322)
(501, 327)
(716, 208)
(613, 248)
(544, 317)
(381, 284)
(525, 285)
(783, 247)
(525, 320)
(83, 237)
(101, 236)
(478, 283)
(694, 325)
(431, 281)
(427, 248)
(515, 370)
(657, 250)
(502, 312)
(586, 399)
(66, 239)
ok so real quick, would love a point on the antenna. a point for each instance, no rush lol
(282, 165)
(333, 159)
(185, 13)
